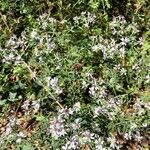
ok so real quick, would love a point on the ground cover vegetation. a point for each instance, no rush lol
(74, 75)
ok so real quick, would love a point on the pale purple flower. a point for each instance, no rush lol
(8, 130)
(50, 44)
(76, 124)
(65, 147)
(87, 136)
(64, 112)
(57, 128)
(71, 144)
(138, 136)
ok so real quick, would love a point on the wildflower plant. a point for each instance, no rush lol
(73, 75)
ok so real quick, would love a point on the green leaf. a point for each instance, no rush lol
(27, 147)
(12, 95)
(3, 102)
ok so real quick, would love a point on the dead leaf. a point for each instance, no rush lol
(86, 147)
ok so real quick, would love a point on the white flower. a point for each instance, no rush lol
(144, 124)
(11, 56)
(148, 78)
(77, 107)
(147, 105)
(53, 82)
(117, 67)
(18, 140)
(97, 111)
(95, 48)
(83, 13)
(12, 121)
(114, 31)
(18, 58)
(84, 84)
(33, 34)
(76, 19)
(127, 136)
(123, 71)
(52, 20)
(50, 44)
(58, 90)
(87, 136)
(141, 40)
(36, 105)
(136, 67)
(124, 41)
(112, 141)
(99, 144)
(44, 25)
(92, 91)
(122, 51)
(20, 135)
(41, 17)
(91, 18)
(63, 21)
(26, 105)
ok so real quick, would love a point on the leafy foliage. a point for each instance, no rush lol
(74, 74)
